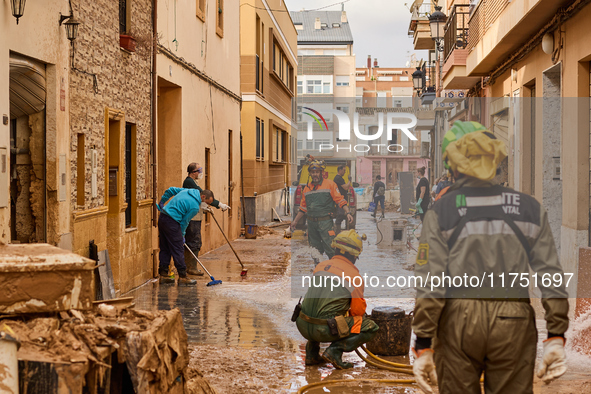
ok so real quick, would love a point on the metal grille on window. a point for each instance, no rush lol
(122, 16)
(128, 174)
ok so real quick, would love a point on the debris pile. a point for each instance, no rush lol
(83, 345)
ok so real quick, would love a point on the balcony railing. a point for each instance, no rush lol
(456, 29)
(482, 14)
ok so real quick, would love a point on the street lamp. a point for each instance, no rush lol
(72, 28)
(417, 79)
(18, 8)
(437, 24)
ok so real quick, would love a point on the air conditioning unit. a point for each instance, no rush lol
(425, 149)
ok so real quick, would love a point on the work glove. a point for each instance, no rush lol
(204, 207)
(224, 207)
(424, 369)
(553, 363)
(418, 205)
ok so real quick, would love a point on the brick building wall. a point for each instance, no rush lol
(122, 84)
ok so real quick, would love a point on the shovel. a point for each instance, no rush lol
(213, 281)
(244, 270)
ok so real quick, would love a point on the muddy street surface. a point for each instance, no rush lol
(240, 334)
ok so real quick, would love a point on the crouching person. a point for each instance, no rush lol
(333, 312)
(172, 226)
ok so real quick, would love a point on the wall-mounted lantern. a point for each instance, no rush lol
(18, 8)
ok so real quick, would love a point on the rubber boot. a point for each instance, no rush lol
(334, 353)
(183, 280)
(192, 264)
(313, 353)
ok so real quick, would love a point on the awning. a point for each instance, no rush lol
(27, 86)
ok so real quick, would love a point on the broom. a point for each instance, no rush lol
(244, 270)
(213, 281)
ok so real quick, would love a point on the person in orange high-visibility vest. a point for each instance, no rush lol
(343, 305)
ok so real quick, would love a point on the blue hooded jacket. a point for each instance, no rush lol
(183, 206)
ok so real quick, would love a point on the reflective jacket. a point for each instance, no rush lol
(478, 229)
(323, 301)
(320, 200)
(183, 206)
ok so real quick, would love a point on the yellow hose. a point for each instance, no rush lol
(381, 366)
(310, 386)
(370, 354)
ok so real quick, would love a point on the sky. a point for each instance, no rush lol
(380, 29)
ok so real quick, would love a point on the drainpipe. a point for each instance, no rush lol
(153, 104)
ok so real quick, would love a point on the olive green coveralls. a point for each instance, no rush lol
(319, 204)
(323, 302)
(489, 328)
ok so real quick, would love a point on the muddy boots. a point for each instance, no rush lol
(192, 264)
(184, 281)
(313, 353)
(164, 277)
(334, 353)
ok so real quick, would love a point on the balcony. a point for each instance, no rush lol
(419, 25)
(498, 28)
(455, 51)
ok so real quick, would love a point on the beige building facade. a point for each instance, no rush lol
(198, 104)
(268, 49)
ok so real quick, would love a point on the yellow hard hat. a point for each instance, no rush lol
(349, 242)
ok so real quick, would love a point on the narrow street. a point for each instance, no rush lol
(240, 334)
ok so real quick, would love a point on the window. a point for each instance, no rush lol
(80, 171)
(219, 19)
(299, 26)
(260, 139)
(201, 9)
(129, 169)
(336, 25)
(258, 64)
(316, 84)
(342, 80)
(397, 103)
(279, 146)
(404, 78)
(319, 142)
(281, 66)
(300, 87)
(344, 109)
(314, 87)
(385, 79)
(123, 19)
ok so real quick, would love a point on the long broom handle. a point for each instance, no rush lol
(201, 264)
(227, 240)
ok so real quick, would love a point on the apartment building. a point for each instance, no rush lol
(198, 104)
(325, 79)
(389, 90)
(268, 53)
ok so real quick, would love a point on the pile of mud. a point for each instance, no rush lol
(152, 345)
